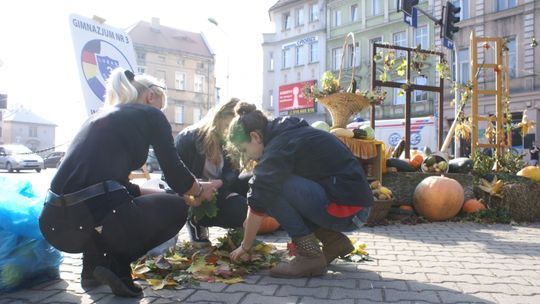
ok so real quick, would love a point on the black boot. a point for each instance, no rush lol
(120, 286)
(89, 263)
(198, 234)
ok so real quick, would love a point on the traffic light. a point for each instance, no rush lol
(450, 18)
(407, 5)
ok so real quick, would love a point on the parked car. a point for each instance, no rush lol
(19, 157)
(53, 160)
(152, 163)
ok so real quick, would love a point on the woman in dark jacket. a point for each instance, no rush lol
(305, 178)
(201, 148)
(93, 208)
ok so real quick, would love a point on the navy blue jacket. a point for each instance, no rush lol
(292, 147)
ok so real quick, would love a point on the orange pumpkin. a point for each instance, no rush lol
(268, 225)
(438, 198)
(406, 207)
(416, 161)
(473, 205)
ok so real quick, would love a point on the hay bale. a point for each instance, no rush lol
(520, 200)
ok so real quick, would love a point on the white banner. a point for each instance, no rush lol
(99, 49)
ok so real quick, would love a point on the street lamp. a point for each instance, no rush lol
(214, 22)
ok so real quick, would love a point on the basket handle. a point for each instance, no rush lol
(344, 50)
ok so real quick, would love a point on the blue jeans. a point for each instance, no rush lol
(301, 208)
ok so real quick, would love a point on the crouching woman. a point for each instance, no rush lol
(305, 178)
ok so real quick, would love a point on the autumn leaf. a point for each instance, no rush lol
(232, 280)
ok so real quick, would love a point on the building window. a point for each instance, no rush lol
(32, 131)
(314, 12)
(300, 16)
(397, 99)
(512, 63)
(300, 55)
(313, 52)
(400, 39)
(354, 12)
(271, 61)
(160, 74)
(141, 69)
(286, 58)
(197, 114)
(464, 4)
(356, 56)
(271, 99)
(287, 21)
(421, 37)
(161, 58)
(180, 80)
(420, 95)
(463, 58)
(179, 114)
(505, 4)
(375, 7)
(199, 83)
(336, 58)
(337, 17)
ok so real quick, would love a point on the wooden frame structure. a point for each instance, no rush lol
(501, 76)
(410, 88)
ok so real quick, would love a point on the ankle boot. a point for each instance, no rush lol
(335, 243)
(89, 262)
(309, 260)
(121, 287)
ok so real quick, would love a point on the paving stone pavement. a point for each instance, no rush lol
(426, 263)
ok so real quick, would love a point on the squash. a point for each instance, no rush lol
(460, 165)
(416, 161)
(438, 198)
(530, 172)
(406, 207)
(400, 147)
(400, 164)
(473, 205)
(268, 225)
(342, 132)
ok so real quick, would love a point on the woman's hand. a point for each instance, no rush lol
(240, 254)
(210, 189)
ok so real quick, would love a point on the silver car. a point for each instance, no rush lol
(19, 157)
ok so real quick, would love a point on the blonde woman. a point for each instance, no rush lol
(201, 149)
(93, 208)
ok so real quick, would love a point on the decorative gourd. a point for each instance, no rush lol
(460, 165)
(530, 172)
(268, 225)
(416, 161)
(406, 207)
(438, 198)
(473, 205)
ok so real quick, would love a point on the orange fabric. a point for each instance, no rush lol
(342, 210)
(256, 212)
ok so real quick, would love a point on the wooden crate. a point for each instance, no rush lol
(370, 154)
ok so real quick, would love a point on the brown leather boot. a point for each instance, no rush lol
(309, 260)
(335, 243)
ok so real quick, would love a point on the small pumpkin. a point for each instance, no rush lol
(406, 207)
(438, 198)
(416, 161)
(473, 205)
(530, 172)
(268, 225)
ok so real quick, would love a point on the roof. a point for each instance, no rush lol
(25, 116)
(281, 3)
(169, 38)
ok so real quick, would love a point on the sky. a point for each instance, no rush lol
(37, 59)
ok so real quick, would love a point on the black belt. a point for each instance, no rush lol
(83, 194)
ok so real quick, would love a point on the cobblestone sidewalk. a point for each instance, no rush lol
(427, 263)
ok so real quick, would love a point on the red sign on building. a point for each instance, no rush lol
(291, 98)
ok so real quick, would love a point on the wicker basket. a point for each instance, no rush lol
(379, 211)
(343, 105)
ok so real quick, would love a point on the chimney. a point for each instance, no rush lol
(155, 24)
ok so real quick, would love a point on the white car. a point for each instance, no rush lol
(19, 157)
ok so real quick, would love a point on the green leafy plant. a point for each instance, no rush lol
(206, 208)
(492, 215)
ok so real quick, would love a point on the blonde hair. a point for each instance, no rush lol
(121, 90)
(209, 139)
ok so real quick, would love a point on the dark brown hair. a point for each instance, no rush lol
(247, 120)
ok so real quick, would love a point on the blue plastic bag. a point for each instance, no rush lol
(25, 257)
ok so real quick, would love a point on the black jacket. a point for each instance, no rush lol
(189, 150)
(292, 147)
(114, 142)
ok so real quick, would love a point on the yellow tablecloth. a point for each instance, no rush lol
(361, 148)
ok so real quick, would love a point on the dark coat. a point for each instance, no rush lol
(292, 147)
